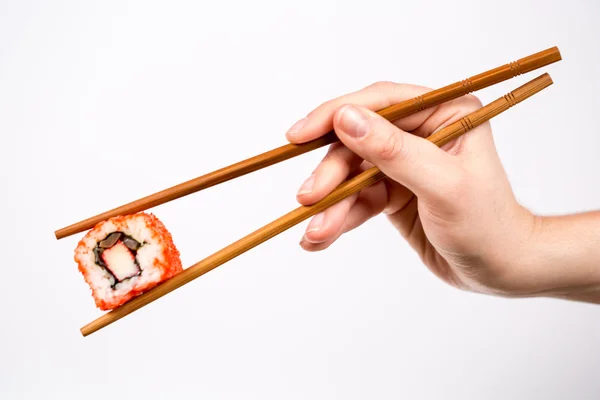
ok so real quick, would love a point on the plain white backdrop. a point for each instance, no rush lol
(104, 102)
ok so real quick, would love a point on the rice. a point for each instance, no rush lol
(142, 256)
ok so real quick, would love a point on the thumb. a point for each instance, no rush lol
(414, 162)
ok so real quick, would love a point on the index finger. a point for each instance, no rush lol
(375, 97)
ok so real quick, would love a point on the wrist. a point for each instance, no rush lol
(560, 258)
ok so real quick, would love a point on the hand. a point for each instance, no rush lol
(453, 205)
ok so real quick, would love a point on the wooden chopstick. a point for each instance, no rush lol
(300, 214)
(288, 151)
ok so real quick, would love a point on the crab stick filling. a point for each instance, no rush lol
(117, 255)
(120, 262)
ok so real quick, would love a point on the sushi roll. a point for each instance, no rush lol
(125, 256)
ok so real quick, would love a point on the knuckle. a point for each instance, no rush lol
(382, 86)
(473, 101)
(327, 106)
(392, 148)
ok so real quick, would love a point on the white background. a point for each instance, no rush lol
(104, 102)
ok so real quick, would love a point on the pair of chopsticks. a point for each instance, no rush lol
(349, 187)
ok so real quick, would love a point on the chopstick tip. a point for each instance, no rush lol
(546, 79)
(558, 54)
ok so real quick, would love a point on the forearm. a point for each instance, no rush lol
(563, 258)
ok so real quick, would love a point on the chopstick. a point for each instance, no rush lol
(302, 213)
(288, 151)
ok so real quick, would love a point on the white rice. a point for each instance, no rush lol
(101, 280)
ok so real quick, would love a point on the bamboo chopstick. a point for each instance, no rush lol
(288, 151)
(300, 214)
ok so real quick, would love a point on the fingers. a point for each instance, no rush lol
(327, 224)
(340, 218)
(387, 196)
(412, 161)
(332, 171)
(374, 97)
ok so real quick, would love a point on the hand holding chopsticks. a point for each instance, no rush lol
(346, 189)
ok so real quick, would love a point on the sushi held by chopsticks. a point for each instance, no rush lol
(126, 256)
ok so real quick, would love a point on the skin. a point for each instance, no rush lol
(453, 205)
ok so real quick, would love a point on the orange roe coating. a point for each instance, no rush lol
(169, 265)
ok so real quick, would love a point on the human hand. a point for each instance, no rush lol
(453, 205)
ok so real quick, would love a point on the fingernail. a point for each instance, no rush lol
(307, 186)
(297, 127)
(314, 225)
(354, 122)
